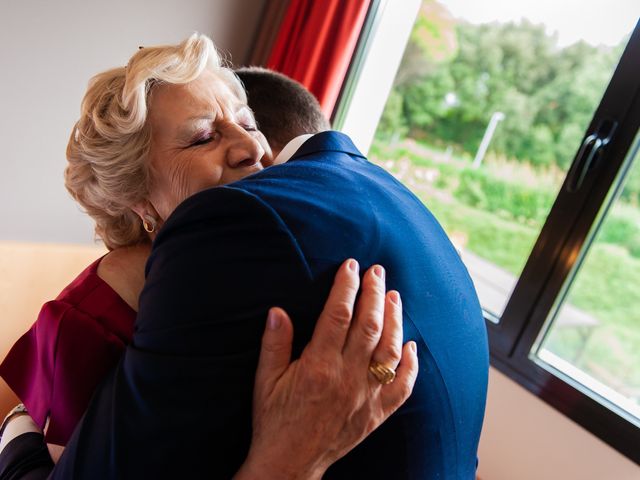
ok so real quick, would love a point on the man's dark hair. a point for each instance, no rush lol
(283, 107)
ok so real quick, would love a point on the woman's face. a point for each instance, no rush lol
(202, 135)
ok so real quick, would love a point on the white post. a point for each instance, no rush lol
(488, 134)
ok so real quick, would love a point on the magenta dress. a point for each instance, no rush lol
(55, 367)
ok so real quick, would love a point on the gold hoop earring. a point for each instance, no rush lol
(149, 223)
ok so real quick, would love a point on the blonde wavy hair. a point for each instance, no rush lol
(107, 171)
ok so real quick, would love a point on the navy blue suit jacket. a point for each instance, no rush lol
(179, 403)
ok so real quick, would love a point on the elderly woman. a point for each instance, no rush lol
(171, 123)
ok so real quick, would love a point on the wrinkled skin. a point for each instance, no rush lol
(202, 135)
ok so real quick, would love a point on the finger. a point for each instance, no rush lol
(367, 326)
(396, 393)
(332, 327)
(389, 349)
(275, 354)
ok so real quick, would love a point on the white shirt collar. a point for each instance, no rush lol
(290, 148)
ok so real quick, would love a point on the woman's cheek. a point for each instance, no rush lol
(192, 178)
(177, 188)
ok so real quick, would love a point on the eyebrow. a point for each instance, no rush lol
(207, 117)
(241, 107)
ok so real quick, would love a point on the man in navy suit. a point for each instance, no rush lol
(277, 238)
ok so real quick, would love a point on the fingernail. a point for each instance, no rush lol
(273, 320)
(394, 297)
(352, 265)
(413, 347)
(379, 272)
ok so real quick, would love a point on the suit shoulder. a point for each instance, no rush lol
(226, 204)
(229, 218)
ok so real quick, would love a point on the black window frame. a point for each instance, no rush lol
(566, 232)
(559, 248)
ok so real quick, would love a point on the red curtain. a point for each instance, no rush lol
(316, 42)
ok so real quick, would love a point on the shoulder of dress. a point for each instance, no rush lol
(61, 322)
(43, 334)
(53, 313)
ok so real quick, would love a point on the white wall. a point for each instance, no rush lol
(523, 438)
(48, 52)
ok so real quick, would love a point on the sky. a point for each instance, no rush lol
(595, 21)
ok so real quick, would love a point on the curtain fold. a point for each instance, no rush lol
(316, 42)
(271, 19)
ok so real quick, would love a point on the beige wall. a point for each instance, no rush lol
(48, 52)
(523, 438)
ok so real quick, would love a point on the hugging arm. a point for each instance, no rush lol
(228, 258)
(323, 404)
(295, 402)
(180, 402)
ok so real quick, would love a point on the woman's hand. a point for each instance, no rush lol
(309, 413)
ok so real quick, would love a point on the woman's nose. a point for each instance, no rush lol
(244, 149)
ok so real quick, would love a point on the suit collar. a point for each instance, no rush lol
(329, 141)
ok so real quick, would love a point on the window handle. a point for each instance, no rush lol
(588, 154)
(588, 151)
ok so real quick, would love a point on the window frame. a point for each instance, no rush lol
(551, 264)
(558, 247)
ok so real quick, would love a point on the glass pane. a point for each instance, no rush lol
(488, 108)
(594, 338)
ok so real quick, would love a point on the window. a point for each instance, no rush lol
(520, 130)
(592, 335)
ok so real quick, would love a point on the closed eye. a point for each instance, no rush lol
(202, 141)
(204, 138)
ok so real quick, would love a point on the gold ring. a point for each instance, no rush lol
(383, 374)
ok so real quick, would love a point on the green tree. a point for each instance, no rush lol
(392, 124)
(454, 76)
(433, 41)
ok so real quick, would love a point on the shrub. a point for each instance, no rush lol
(517, 201)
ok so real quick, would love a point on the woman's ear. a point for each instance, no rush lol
(149, 217)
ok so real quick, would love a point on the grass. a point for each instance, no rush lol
(608, 284)
(502, 242)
